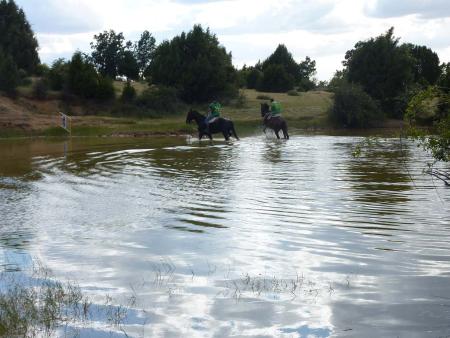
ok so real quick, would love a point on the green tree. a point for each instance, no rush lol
(426, 66)
(438, 142)
(144, 50)
(82, 78)
(276, 79)
(105, 89)
(444, 79)
(107, 52)
(254, 78)
(16, 37)
(384, 70)
(57, 75)
(196, 65)
(282, 57)
(338, 80)
(9, 74)
(128, 66)
(128, 93)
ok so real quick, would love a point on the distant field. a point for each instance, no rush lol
(306, 110)
(25, 116)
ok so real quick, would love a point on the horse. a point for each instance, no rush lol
(276, 123)
(219, 125)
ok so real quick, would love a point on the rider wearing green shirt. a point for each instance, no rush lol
(275, 108)
(214, 112)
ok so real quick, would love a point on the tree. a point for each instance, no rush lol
(426, 67)
(276, 79)
(196, 65)
(338, 80)
(82, 78)
(17, 39)
(128, 93)
(144, 50)
(9, 74)
(57, 75)
(438, 143)
(254, 78)
(444, 79)
(281, 56)
(107, 51)
(128, 66)
(383, 69)
(307, 70)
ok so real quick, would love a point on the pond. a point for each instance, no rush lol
(257, 237)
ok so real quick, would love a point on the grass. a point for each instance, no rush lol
(305, 111)
(38, 305)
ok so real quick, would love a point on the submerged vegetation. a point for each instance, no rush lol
(37, 305)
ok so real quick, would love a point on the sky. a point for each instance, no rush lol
(250, 29)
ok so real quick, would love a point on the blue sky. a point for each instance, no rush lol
(250, 29)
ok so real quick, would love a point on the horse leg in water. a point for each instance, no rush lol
(277, 133)
(233, 131)
(285, 133)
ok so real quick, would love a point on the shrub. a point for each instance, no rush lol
(160, 99)
(40, 89)
(263, 97)
(128, 93)
(105, 89)
(354, 108)
(293, 93)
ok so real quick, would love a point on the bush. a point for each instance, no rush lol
(128, 93)
(105, 89)
(354, 108)
(160, 99)
(293, 93)
(263, 97)
(40, 89)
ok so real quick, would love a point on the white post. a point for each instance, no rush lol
(66, 123)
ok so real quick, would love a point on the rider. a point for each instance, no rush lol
(214, 112)
(275, 108)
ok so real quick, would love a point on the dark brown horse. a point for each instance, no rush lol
(276, 123)
(219, 125)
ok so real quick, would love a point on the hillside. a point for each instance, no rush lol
(28, 117)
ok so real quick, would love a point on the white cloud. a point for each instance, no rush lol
(250, 29)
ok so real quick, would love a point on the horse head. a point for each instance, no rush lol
(264, 109)
(190, 116)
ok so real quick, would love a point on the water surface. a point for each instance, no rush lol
(252, 238)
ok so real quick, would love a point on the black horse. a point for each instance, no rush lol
(276, 123)
(219, 125)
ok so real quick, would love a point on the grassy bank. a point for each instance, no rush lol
(26, 117)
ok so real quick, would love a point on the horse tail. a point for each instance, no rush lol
(234, 131)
